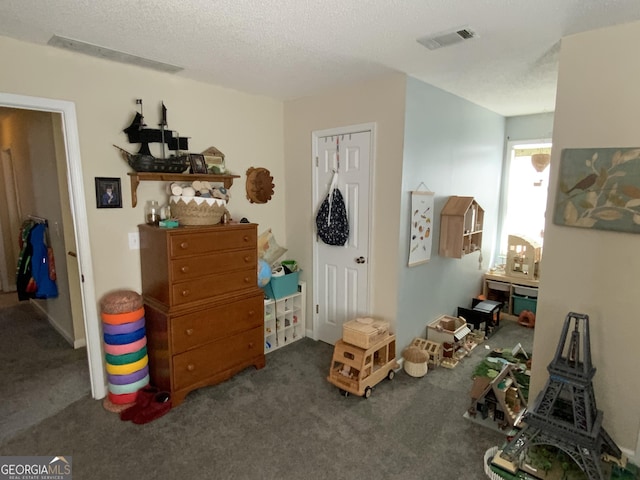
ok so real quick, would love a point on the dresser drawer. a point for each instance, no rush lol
(198, 243)
(205, 361)
(186, 268)
(194, 329)
(213, 285)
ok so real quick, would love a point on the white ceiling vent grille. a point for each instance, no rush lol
(445, 39)
(108, 54)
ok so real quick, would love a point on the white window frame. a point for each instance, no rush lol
(499, 255)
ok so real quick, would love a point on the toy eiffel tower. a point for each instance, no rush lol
(565, 414)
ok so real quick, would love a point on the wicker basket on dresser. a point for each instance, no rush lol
(203, 307)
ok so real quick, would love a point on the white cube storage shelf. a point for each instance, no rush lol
(507, 289)
(284, 319)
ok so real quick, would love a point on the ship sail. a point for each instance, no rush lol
(137, 132)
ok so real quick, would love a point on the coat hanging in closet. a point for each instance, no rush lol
(34, 277)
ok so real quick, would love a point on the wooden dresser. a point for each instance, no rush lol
(203, 307)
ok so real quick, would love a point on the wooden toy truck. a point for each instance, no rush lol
(357, 370)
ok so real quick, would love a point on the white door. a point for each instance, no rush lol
(341, 283)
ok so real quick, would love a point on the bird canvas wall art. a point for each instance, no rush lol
(599, 188)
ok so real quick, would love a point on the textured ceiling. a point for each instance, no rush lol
(292, 48)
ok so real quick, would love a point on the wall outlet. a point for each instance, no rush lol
(134, 241)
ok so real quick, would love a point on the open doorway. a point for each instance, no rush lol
(77, 207)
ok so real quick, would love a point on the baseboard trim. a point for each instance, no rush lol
(55, 324)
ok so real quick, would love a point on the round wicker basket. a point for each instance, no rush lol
(197, 210)
(415, 361)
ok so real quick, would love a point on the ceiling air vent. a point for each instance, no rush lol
(108, 54)
(445, 39)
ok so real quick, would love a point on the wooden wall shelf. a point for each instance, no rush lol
(461, 223)
(137, 177)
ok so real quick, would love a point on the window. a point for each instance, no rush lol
(525, 193)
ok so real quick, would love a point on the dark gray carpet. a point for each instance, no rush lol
(41, 373)
(285, 422)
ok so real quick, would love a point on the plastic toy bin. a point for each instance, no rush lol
(283, 286)
(521, 303)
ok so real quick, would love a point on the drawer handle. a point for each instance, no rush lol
(189, 331)
(184, 245)
(250, 345)
(251, 313)
(186, 293)
(184, 269)
(246, 259)
(191, 367)
(246, 280)
(246, 238)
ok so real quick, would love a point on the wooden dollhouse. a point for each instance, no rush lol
(523, 257)
(499, 399)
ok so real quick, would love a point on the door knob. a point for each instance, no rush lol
(360, 260)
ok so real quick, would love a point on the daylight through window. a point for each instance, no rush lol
(526, 199)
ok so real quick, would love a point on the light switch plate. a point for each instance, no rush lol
(134, 241)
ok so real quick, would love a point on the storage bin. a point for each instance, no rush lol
(525, 291)
(282, 286)
(503, 287)
(521, 303)
(415, 361)
(364, 332)
(197, 210)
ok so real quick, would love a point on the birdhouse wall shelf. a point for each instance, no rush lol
(461, 224)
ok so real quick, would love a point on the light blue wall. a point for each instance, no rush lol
(455, 148)
(530, 127)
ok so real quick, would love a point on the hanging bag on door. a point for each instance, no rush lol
(331, 220)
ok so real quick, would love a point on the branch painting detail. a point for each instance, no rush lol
(599, 188)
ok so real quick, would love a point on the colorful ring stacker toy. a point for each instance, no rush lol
(123, 327)
(126, 348)
(126, 358)
(120, 318)
(130, 378)
(128, 368)
(124, 338)
(130, 388)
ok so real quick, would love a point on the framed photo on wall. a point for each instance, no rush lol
(108, 193)
(198, 163)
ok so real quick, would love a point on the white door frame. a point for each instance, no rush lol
(81, 228)
(315, 135)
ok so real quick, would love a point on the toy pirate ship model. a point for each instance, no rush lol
(144, 161)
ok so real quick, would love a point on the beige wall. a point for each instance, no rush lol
(595, 272)
(382, 102)
(248, 129)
